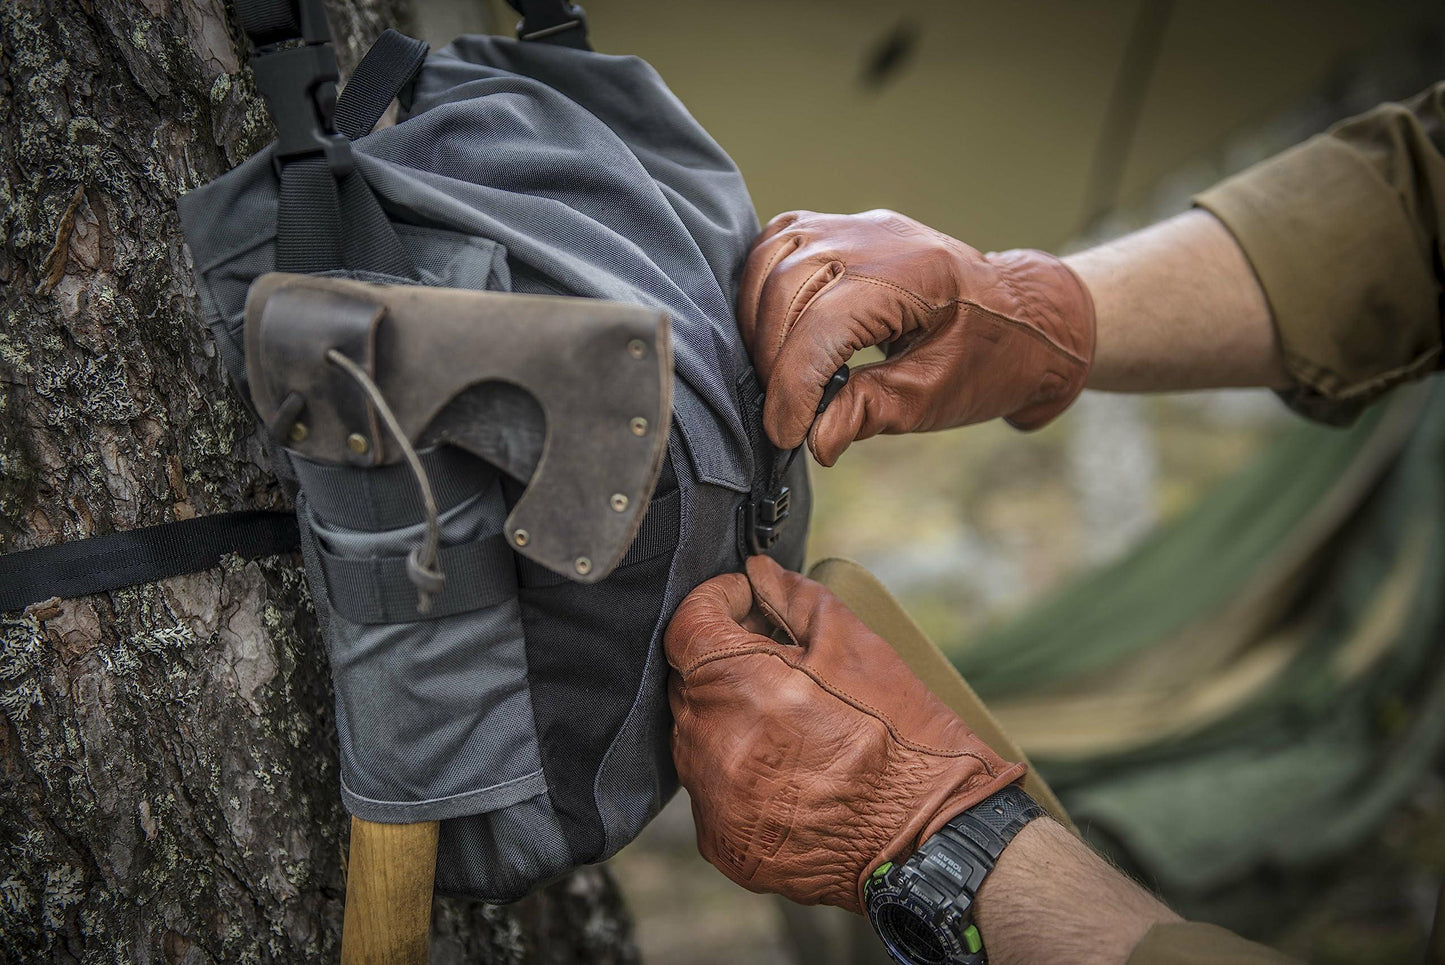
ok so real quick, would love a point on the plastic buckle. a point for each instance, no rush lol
(572, 17)
(767, 518)
(299, 84)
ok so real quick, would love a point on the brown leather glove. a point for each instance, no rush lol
(969, 336)
(813, 760)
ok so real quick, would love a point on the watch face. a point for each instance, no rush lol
(922, 908)
(909, 937)
(916, 922)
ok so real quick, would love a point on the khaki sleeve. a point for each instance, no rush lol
(1346, 233)
(1195, 943)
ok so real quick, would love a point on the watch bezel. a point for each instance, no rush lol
(944, 923)
(936, 885)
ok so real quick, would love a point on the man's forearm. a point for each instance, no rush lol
(1052, 899)
(1178, 307)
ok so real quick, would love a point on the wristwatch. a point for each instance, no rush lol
(922, 908)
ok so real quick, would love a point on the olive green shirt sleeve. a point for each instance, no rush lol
(1195, 943)
(1346, 234)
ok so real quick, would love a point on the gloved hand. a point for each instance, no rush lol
(969, 336)
(811, 751)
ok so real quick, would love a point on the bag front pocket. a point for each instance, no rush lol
(433, 710)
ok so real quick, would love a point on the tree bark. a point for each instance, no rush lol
(170, 788)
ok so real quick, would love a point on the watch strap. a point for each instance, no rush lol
(935, 887)
(957, 857)
(992, 823)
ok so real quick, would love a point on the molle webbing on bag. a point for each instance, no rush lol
(526, 708)
(328, 217)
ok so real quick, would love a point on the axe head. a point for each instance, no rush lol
(571, 395)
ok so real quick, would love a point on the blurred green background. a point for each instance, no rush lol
(1044, 124)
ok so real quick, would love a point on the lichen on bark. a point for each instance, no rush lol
(170, 791)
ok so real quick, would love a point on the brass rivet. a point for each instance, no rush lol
(358, 443)
(638, 348)
(298, 432)
(584, 565)
(639, 426)
(619, 502)
(520, 537)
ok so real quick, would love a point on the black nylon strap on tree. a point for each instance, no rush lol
(102, 563)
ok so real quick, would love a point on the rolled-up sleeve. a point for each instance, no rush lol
(1346, 233)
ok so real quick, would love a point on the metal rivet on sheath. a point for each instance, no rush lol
(298, 432)
(638, 348)
(358, 443)
(520, 537)
(584, 565)
(619, 502)
(639, 426)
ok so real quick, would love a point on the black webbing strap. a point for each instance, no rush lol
(102, 563)
(386, 497)
(369, 242)
(328, 217)
(323, 225)
(275, 21)
(388, 67)
(308, 223)
(377, 589)
(553, 22)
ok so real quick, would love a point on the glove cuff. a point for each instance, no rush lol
(928, 819)
(1053, 300)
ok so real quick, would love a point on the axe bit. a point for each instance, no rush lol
(572, 396)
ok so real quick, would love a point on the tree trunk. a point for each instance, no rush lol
(170, 788)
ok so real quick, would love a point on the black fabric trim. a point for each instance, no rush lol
(587, 650)
(102, 563)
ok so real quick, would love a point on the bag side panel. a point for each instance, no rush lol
(588, 649)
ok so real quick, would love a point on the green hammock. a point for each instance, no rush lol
(1259, 684)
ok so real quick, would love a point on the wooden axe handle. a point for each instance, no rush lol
(388, 893)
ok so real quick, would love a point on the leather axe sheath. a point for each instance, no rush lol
(573, 394)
